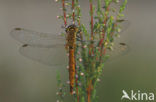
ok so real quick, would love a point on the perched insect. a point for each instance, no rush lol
(71, 44)
(51, 49)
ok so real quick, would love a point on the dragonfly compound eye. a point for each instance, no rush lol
(71, 28)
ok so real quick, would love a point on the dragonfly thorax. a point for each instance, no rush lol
(71, 29)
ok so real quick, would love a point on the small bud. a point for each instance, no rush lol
(85, 46)
(66, 4)
(67, 54)
(119, 30)
(68, 82)
(79, 84)
(67, 67)
(76, 76)
(82, 74)
(57, 93)
(58, 17)
(67, 15)
(106, 43)
(56, 0)
(78, 52)
(57, 101)
(77, 67)
(97, 47)
(80, 59)
(98, 80)
(74, 92)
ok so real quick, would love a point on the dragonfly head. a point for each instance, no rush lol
(72, 28)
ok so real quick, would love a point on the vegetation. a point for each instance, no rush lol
(91, 51)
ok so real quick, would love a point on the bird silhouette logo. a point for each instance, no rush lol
(125, 95)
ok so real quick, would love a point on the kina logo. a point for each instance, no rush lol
(138, 96)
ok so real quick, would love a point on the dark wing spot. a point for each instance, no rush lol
(18, 29)
(25, 45)
(120, 20)
(122, 44)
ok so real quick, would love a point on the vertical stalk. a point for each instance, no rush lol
(89, 89)
(77, 90)
(73, 10)
(76, 80)
(64, 13)
(78, 20)
(92, 25)
(102, 46)
(91, 14)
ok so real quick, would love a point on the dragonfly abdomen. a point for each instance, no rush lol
(71, 69)
(71, 40)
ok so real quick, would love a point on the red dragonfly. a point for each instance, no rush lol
(50, 49)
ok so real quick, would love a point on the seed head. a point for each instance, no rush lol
(80, 59)
(82, 74)
(56, 0)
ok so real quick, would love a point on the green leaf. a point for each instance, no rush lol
(99, 6)
(94, 94)
(123, 6)
(85, 31)
(83, 99)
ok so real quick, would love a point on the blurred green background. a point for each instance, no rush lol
(24, 80)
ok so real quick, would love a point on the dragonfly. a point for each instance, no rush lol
(52, 49)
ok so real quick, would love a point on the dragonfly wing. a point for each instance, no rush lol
(124, 26)
(33, 38)
(50, 56)
(118, 49)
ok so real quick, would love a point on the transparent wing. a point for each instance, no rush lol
(49, 49)
(33, 38)
(54, 56)
(124, 24)
(57, 56)
(118, 49)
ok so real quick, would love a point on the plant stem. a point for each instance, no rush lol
(77, 90)
(64, 13)
(73, 8)
(91, 11)
(76, 80)
(89, 91)
(91, 52)
(103, 48)
(92, 25)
